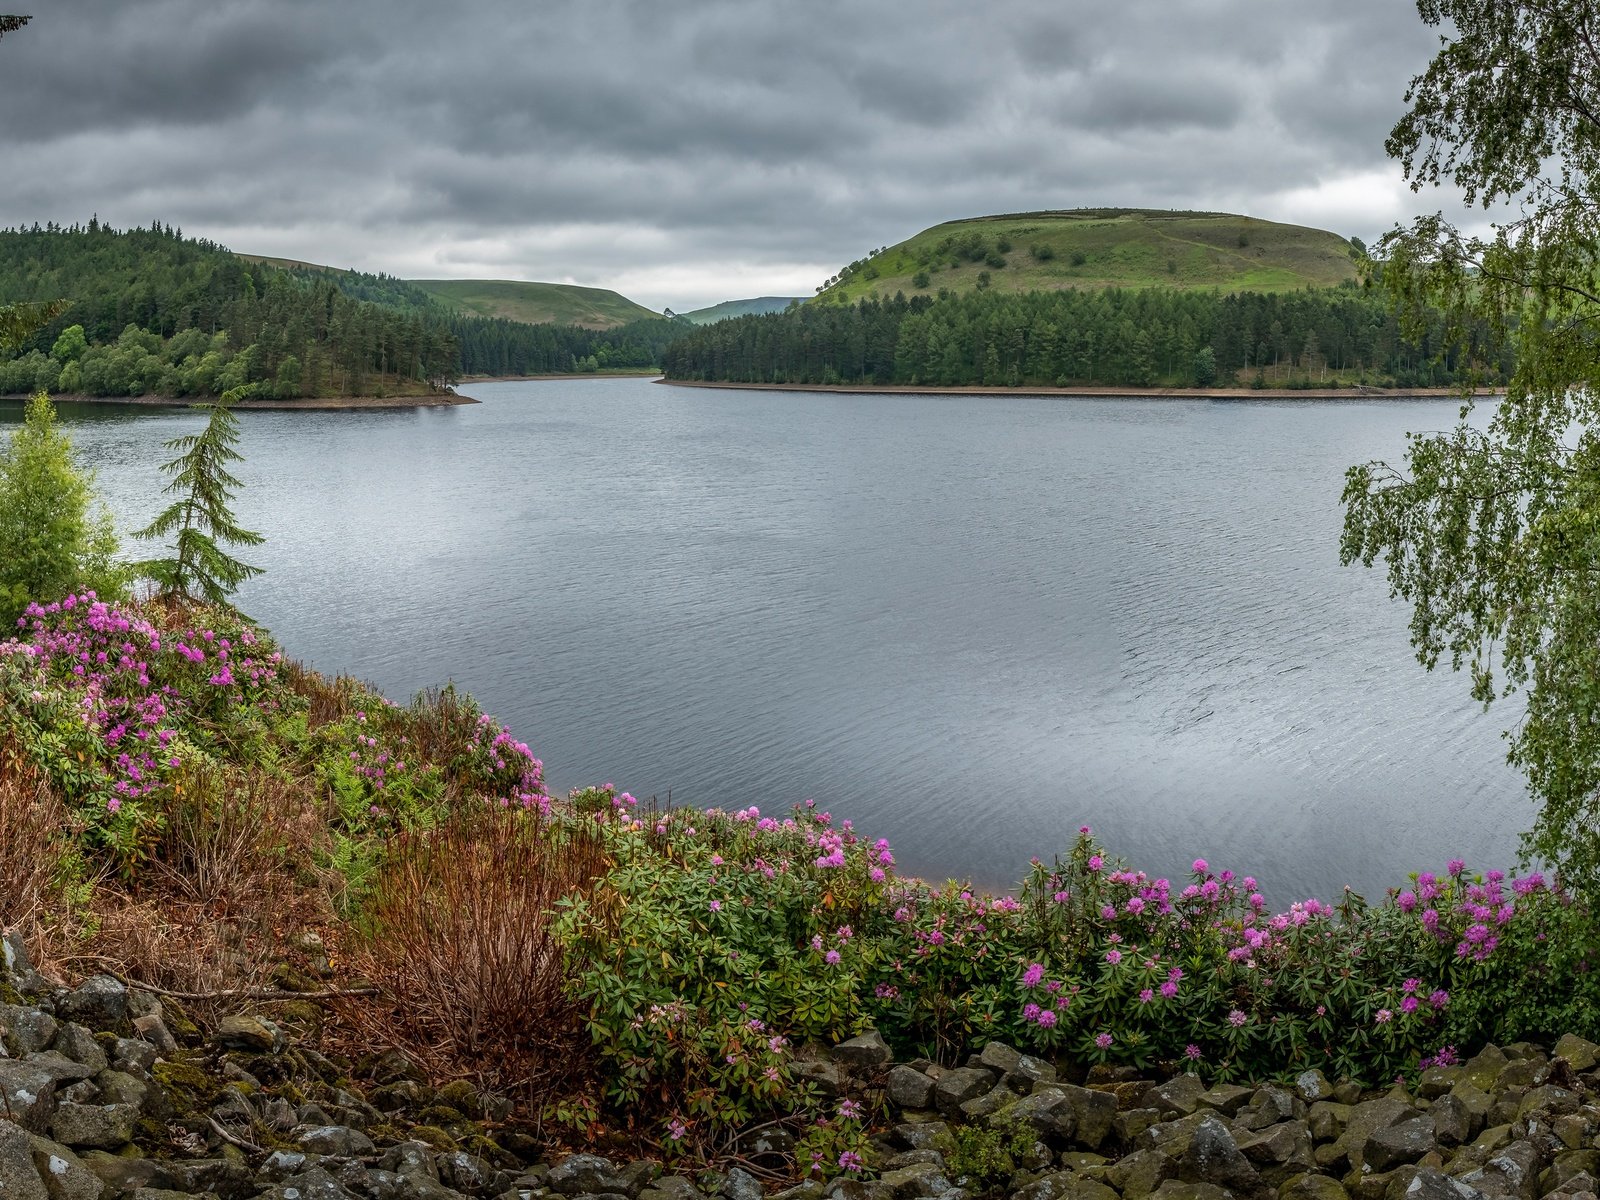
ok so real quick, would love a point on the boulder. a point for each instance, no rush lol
(1453, 1125)
(100, 1002)
(251, 1034)
(1141, 1173)
(63, 1173)
(17, 1172)
(1048, 1112)
(75, 1042)
(1225, 1098)
(1429, 1184)
(956, 1087)
(1312, 1086)
(1180, 1094)
(25, 1030)
(338, 1141)
(905, 1183)
(909, 1088)
(865, 1053)
(27, 1094)
(94, 1126)
(583, 1174)
(1312, 1187)
(1213, 1157)
(1000, 1058)
(1028, 1072)
(1092, 1114)
(1393, 1145)
(1580, 1053)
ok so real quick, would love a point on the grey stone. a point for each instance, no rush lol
(118, 1087)
(1225, 1098)
(865, 1053)
(810, 1189)
(94, 1126)
(917, 1180)
(1092, 1113)
(1028, 1072)
(1180, 1094)
(1452, 1123)
(1436, 1081)
(253, 1034)
(1141, 1172)
(578, 1174)
(1429, 1184)
(1393, 1145)
(1580, 1053)
(1278, 1144)
(740, 1185)
(410, 1158)
(26, 1030)
(1312, 1187)
(909, 1088)
(59, 1067)
(124, 1175)
(1047, 1111)
(956, 1087)
(281, 1164)
(1179, 1189)
(338, 1140)
(470, 1174)
(315, 1184)
(27, 1094)
(1312, 1086)
(77, 1043)
(63, 1173)
(988, 1104)
(1054, 1186)
(1213, 1157)
(153, 1029)
(1366, 1119)
(1130, 1124)
(1547, 1102)
(926, 1135)
(19, 1179)
(100, 1002)
(1000, 1058)
(133, 1055)
(678, 1187)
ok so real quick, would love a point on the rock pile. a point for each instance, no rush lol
(106, 1095)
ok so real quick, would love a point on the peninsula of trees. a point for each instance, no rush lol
(154, 313)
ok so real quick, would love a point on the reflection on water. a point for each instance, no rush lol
(970, 624)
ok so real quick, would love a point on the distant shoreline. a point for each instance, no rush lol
(1096, 393)
(308, 403)
(558, 375)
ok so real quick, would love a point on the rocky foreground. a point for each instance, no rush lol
(107, 1091)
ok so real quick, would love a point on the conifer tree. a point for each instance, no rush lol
(200, 569)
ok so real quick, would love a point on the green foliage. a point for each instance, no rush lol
(200, 568)
(19, 322)
(70, 346)
(52, 539)
(985, 1159)
(1491, 532)
(1079, 337)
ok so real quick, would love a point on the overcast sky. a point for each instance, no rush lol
(689, 151)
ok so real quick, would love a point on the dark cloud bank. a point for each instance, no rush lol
(690, 151)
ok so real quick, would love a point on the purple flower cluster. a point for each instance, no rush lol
(131, 685)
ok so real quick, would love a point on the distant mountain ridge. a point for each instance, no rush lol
(1099, 248)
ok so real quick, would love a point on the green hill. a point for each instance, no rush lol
(1100, 248)
(537, 303)
(741, 308)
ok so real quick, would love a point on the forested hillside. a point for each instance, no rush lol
(1150, 337)
(155, 313)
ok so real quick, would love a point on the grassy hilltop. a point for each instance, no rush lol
(537, 303)
(1100, 248)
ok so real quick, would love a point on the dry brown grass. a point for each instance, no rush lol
(36, 853)
(462, 946)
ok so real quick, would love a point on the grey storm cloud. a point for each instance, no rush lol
(696, 150)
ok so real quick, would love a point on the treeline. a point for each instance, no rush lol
(1143, 338)
(161, 314)
(495, 346)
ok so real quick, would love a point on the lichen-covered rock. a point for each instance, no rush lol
(472, 1175)
(1312, 1086)
(1580, 1053)
(100, 1002)
(75, 1042)
(253, 1034)
(824, 1074)
(1403, 1142)
(1028, 1073)
(25, 1030)
(63, 1174)
(956, 1087)
(94, 1126)
(865, 1053)
(1048, 1112)
(1180, 1094)
(27, 1094)
(907, 1183)
(580, 1174)
(1312, 1187)
(1213, 1157)
(17, 1171)
(1141, 1173)
(1225, 1098)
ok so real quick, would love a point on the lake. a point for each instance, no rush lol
(970, 624)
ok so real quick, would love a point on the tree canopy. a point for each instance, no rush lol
(1491, 530)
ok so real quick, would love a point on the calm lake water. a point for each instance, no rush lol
(970, 624)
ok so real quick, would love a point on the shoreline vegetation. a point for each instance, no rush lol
(1099, 393)
(306, 403)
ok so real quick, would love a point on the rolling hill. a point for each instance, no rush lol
(537, 303)
(1100, 248)
(741, 308)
